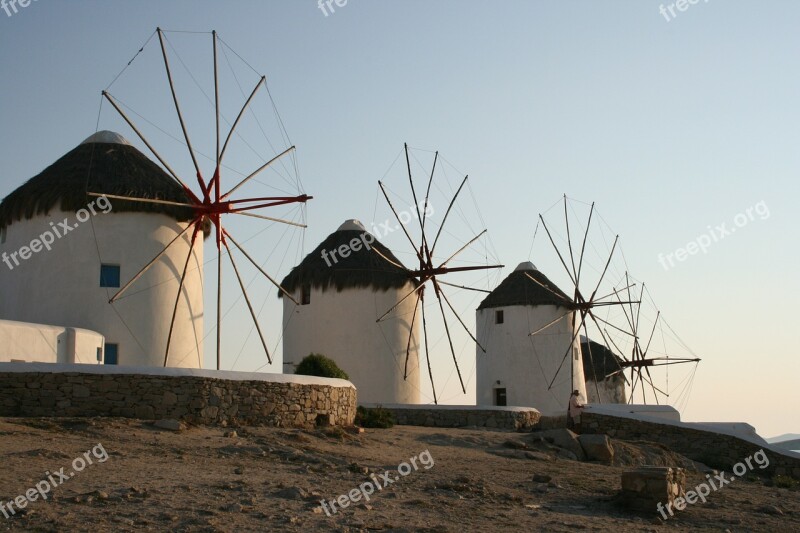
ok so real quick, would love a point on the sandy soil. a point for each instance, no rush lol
(263, 479)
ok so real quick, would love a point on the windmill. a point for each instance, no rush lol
(638, 350)
(210, 203)
(608, 305)
(432, 267)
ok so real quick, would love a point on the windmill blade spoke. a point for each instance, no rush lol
(609, 324)
(450, 305)
(257, 172)
(463, 287)
(621, 372)
(554, 321)
(220, 237)
(671, 361)
(178, 109)
(449, 338)
(180, 291)
(655, 323)
(402, 226)
(569, 239)
(639, 308)
(262, 81)
(447, 213)
(427, 354)
(621, 353)
(416, 203)
(428, 191)
(545, 287)
(255, 264)
(141, 136)
(568, 353)
(655, 389)
(247, 299)
(603, 275)
(609, 295)
(478, 236)
(603, 334)
(583, 246)
(271, 219)
(395, 306)
(398, 265)
(553, 242)
(632, 319)
(595, 303)
(141, 200)
(216, 117)
(625, 311)
(606, 339)
(635, 380)
(591, 361)
(133, 280)
(411, 336)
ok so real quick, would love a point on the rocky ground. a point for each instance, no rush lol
(257, 479)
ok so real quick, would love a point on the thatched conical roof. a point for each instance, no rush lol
(605, 361)
(519, 289)
(104, 163)
(360, 269)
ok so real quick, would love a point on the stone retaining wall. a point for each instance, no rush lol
(650, 488)
(714, 449)
(456, 416)
(192, 398)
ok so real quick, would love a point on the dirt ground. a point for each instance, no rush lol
(265, 479)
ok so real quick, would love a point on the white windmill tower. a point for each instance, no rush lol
(517, 367)
(339, 286)
(87, 245)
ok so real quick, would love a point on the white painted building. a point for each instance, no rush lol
(36, 343)
(341, 294)
(70, 281)
(517, 368)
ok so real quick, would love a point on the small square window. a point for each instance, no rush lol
(109, 275)
(305, 297)
(499, 318)
(112, 354)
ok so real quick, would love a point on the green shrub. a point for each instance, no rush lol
(785, 482)
(376, 417)
(318, 365)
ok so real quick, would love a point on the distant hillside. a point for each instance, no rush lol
(783, 438)
(793, 445)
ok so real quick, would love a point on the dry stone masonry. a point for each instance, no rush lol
(193, 399)
(456, 416)
(714, 449)
(644, 488)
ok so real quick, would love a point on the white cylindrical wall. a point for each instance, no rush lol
(612, 390)
(341, 326)
(61, 286)
(524, 365)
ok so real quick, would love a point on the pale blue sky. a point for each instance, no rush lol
(669, 126)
